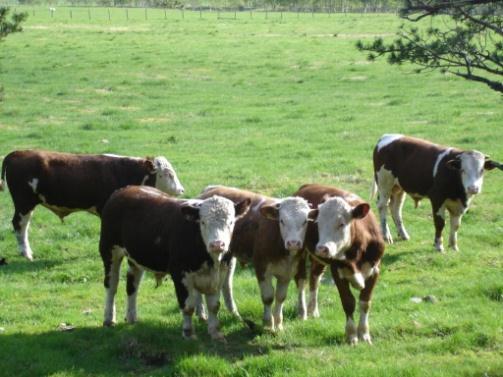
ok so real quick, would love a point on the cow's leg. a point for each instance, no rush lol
(300, 282)
(227, 288)
(267, 295)
(385, 183)
(281, 291)
(348, 304)
(439, 221)
(134, 276)
(186, 296)
(365, 302)
(213, 303)
(453, 237)
(200, 308)
(112, 270)
(398, 198)
(317, 270)
(21, 224)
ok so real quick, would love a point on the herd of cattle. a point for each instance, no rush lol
(197, 241)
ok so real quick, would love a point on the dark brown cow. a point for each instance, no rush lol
(449, 177)
(271, 236)
(66, 183)
(187, 239)
(345, 237)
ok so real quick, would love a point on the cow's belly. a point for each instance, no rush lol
(285, 268)
(205, 280)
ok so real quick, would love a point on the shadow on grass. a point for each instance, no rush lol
(124, 349)
(21, 266)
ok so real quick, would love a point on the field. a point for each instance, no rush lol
(264, 104)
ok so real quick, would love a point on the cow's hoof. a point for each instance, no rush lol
(109, 323)
(218, 336)
(388, 239)
(302, 316)
(131, 320)
(404, 237)
(454, 248)
(352, 340)
(28, 256)
(189, 334)
(365, 337)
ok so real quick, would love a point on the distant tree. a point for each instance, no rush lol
(468, 44)
(9, 26)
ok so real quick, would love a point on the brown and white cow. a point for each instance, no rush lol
(271, 236)
(66, 183)
(347, 238)
(449, 177)
(186, 239)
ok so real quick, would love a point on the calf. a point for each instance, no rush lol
(186, 239)
(449, 177)
(271, 236)
(346, 237)
(66, 183)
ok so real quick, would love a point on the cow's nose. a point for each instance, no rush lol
(181, 191)
(322, 250)
(473, 189)
(217, 246)
(293, 245)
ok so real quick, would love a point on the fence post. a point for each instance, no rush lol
(71, 14)
(165, 15)
(109, 18)
(89, 13)
(127, 14)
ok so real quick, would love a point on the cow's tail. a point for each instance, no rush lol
(373, 190)
(2, 179)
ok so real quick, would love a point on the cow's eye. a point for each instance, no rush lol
(305, 222)
(481, 171)
(340, 226)
(282, 222)
(203, 222)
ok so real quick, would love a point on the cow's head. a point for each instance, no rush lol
(165, 177)
(334, 226)
(216, 217)
(293, 214)
(471, 165)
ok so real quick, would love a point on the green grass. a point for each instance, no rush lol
(264, 104)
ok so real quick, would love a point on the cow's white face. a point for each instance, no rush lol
(165, 177)
(334, 226)
(293, 214)
(216, 217)
(471, 167)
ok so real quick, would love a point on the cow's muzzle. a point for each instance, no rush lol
(293, 245)
(217, 246)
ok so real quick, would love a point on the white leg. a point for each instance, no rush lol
(134, 276)
(351, 332)
(111, 290)
(301, 299)
(396, 213)
(227, 288)
(281, 291)
(22, 235)
(363, 326)
(267, 294)
(385, 183)
(200, 308)
(213, 303)
(312, 308)
(453, 237)
(187, 312)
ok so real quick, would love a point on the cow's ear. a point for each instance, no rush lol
(270, 212)
(191, 211)
(150, 165)
(242, 208)
(454, 164)
(313, 214)
(490, 164)
(360, 211)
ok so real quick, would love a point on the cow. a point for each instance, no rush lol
(449, 177)
(187, 239)
(66, 183)
(271, 237)
(346, 237)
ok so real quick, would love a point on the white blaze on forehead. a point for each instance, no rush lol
(293, 216)
(440, 157)
(166, 178)
(387, 139)
(334, 226)
(472, 170)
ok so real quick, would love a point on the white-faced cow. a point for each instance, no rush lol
(449, 177)
(66, 183)
(347, 238)
(186, 239)
(271, 236)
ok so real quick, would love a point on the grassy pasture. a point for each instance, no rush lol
(265, 104)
